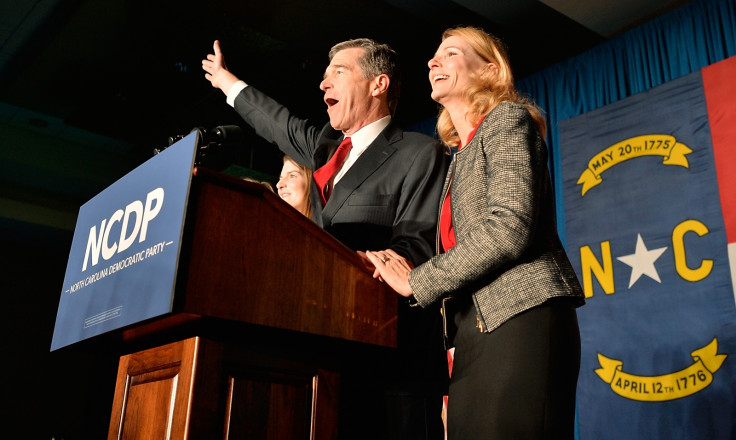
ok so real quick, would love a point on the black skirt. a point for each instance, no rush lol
(519, 381)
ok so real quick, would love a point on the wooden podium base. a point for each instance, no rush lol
(260, 343)
(200, 388)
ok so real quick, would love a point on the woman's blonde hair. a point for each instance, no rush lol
(308, 179)
(488, 90)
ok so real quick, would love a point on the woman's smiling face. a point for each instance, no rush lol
(453, 68)
(292, 186)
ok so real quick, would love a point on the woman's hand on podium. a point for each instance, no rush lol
(393, 269)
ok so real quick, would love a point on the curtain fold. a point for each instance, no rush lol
(685, 40)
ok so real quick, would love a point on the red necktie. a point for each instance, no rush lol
(326, 172)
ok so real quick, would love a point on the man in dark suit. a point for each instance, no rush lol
(384, 194)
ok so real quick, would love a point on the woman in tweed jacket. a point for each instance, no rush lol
(502, 274)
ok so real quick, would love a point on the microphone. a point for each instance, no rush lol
(226, 133)
(208, 139)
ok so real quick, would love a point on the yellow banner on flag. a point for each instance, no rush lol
(670, 386)
(664, 145)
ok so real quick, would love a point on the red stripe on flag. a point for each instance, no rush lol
(719, 85)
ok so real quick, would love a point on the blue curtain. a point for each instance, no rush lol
(683, 41)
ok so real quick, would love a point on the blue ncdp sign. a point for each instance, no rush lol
(124, 255)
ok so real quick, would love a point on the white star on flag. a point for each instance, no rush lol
(642, 261)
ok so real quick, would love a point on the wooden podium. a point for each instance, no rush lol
(271, 314)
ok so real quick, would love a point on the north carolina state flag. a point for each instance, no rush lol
(649, 193)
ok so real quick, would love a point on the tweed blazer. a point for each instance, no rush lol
(508, 254)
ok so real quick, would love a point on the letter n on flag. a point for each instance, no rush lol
(649, 193)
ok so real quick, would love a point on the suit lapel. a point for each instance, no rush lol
(371, 160)
(328, 142)
(327, 145)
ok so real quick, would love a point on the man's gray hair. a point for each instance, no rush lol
(377, 59)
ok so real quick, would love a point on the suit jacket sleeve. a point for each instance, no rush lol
(415, 224)
(275, 123)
